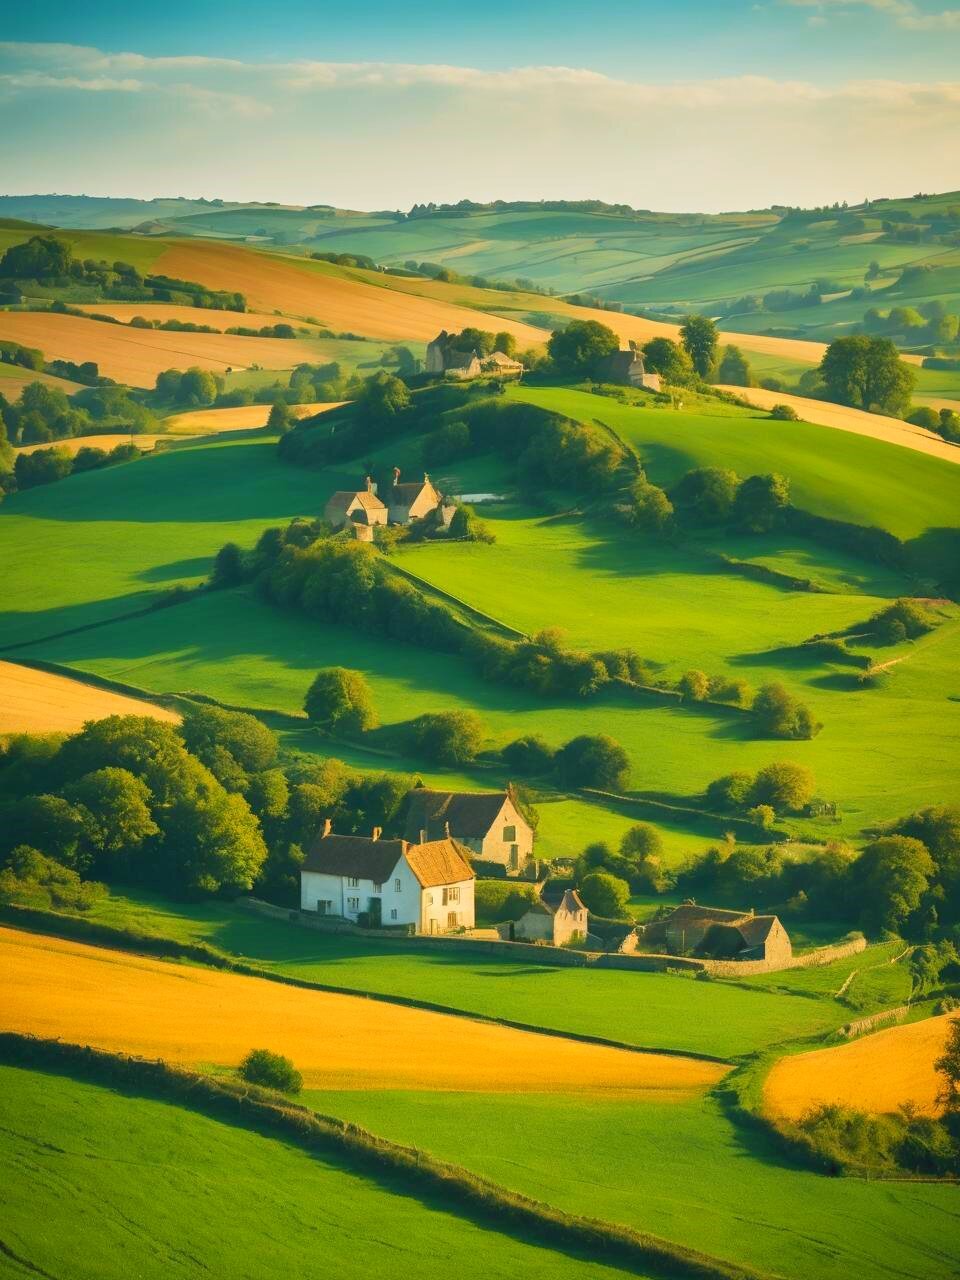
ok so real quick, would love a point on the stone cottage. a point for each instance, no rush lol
(443, 357)
(627, 369)
(411, 500)
(569, 922)
(487, 822)
(355, 506)
(719, 934)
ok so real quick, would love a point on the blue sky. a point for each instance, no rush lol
(689, 104)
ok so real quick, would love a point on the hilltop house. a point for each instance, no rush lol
(487, 822)
(392, 882)
(627, 369)
(446, 359)
(719, 934)
(356, 506)
(411, 500)
(568, 922)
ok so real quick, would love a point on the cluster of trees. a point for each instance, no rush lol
(87, 371)
(589, 760)
(482, 341)
(547, 667)
(44, 466)
(867, 373)
(905, 619)
(945, 422)
(905, 881)
(49, 261)
(703, 498)
(930, 323)
(780, 787)
(43, 413)
(207, 807)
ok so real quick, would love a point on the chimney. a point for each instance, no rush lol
(327, 825)
(446, 829)
(426, 478)
(423, 836)
(396, 476)
(377, 832)
(370, 485)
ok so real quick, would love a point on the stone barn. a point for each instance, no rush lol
(541, 923)
(719, 934)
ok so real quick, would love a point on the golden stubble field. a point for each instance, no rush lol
(136, 356)
(877, 1073)
(40, 702)
(131, 1004)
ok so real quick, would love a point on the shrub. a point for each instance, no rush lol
(340, 700)
(778, 714)
(903, 620)
(694, 685)
(706, 495)
(641, 841)
(271, 1070)
(787, 787)
(592, 761)
(498, 900)
(763, 815)
(605, 895)
(784, 412)
(31, 879)
(529, 756)
(449, 737)
(731, 791)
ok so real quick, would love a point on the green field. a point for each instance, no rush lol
(100, 1185)
(718, 1187)
(656, 1011)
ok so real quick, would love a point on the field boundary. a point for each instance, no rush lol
(95, 933)
(476, 615)
(265, 1112)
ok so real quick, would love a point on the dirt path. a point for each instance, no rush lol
(127, 1003)
(875, 425)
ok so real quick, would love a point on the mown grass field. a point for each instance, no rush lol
(722, 1188)
(654, 1011)
(102, 1186)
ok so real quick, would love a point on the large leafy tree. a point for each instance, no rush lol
(340, 700)
(889, 881)
(867, 373)
(699, 337)
(581, 348)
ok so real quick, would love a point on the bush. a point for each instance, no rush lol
(592, 761)
(605, 895)
(784, 412)
(528, 756)
(340, 701)
(694, 685)
(731, 791)
(787, 787)
(500, 900)
(271, 1070)
(778, 714)
(449, 737)
(31, 879)
(903, 620)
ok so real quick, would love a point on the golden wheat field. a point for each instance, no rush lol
(877, 1073)
(40, 702)
(298, 287)
(131, 1004)
(202, 422)
(72, 444)
(222, 320)
(136, 356)
(875, 425)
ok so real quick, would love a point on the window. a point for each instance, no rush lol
(378, 888)
(451, 894)
(353, 904)
(509, 835)
(353, 882)
(397, 885)
(429, 899)
(393, 913)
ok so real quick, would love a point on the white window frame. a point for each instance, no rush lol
(393, 913)
(353, 882)
(353, 904)
(398, 885)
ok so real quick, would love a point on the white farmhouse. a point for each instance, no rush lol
(487, 822)
(392, 882)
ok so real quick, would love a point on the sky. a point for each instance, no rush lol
(676, 105)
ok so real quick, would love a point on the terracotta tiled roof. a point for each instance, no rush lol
(358, 856)
(471, 814)
(438, 862)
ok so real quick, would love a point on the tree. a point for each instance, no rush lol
(787, 787)
(939, 829)
(592, 761)
(778, 714)
(694, 685)
(530, 755)
(784, 413)
(340, 701)
(228, 567)
(648, 507)
(706, 494)
(948, 1065)
(383, 397)
(280, 419)
(760, 502)
(734, 369)
(43, 466)
(232, 744)
(119, 821)
(53, 825)
(889, 880)
(39, 258)
(506, 343)
(196, 387)
(450, 737)
(867, 373)
(731, 791)
(31, 879)
(641, 841)
(605, 895)
(582, 347)
(699, 337)
(666, 357)
(271, 1071)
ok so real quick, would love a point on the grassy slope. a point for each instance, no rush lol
(658, 1011)
(150, 1189)
(711, 1185)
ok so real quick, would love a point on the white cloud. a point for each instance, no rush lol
(904, 12)
(375, 135)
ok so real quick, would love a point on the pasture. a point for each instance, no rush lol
(39, 702)
(682, 1170)
(152, 1188)
(136, 356)
(880, 1072)
(649, 1010)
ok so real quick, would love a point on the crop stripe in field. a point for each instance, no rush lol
(93, 933)
(474, 1196)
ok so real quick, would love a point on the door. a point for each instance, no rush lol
(514, 857)
(376, 912)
